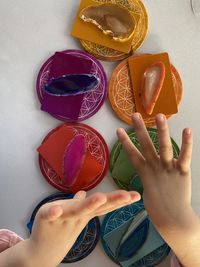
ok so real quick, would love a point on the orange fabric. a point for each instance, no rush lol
(166, 102)
(53, 149)
(89, 32)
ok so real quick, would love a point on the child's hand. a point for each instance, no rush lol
(167, 187)
(166, 181)
(58, 224)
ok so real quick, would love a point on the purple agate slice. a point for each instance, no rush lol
(73, 159)
(72, 84)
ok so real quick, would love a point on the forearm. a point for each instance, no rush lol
(22, 255)
(16, 256)
(183, 239)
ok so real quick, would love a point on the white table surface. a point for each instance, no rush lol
(30, 32)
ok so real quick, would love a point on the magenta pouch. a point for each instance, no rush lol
(66, 107)
(76, 107)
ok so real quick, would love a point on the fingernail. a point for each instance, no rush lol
(120, 130)
(137, 117)
(160, 117)
(188, 131)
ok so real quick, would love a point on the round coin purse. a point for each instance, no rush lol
(99, 43)
(130, 239)
(122, 90)
(122, 170)
(73, 157)
(71, 86)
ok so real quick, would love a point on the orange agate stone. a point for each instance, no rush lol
(152, 83)
(90, 32)
(114, 20)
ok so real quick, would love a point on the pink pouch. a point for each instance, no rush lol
(174, 261)
(8, 239)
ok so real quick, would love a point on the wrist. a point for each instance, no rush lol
(186, 231)
(38, 255)
(182, 221)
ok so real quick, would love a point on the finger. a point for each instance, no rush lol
(114, 199)
(135, 196)
(51, 213)
(85, 206)
(117, 199)
(147, 147)
(134, 155)
(185, 156)
(80, 195)
(164, 140)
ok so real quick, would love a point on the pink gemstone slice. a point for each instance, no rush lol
(74, 159)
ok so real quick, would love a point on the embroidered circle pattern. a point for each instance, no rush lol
(104, 53)
(121, 96)
(86, 241)
(96, 145)
(93, 100)
(117, 218)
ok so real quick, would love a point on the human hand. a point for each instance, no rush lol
(58, 224)
(167, 187)
(166, 181)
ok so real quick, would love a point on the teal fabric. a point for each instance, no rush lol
(153, 242)
(133, 242)
(113, 238)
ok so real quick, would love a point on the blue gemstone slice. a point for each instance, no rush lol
(72, 84)
(134, 238)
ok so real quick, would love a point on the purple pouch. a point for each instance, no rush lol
(66, 107)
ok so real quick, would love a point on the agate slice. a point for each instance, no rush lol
(72, 84)
(134, 237)
(73, 159)
(113, 20)
(152, 83)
